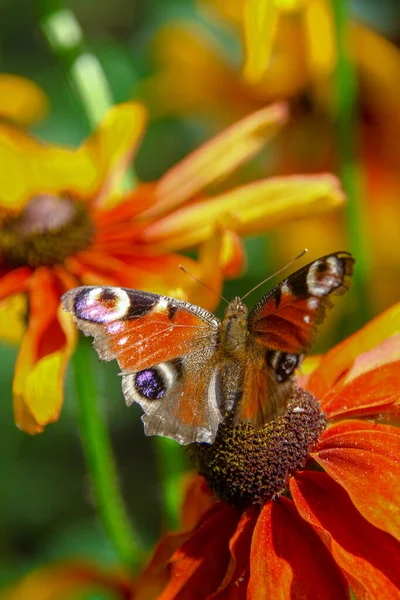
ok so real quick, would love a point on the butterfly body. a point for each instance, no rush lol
(187, 369)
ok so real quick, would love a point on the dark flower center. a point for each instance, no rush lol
(47, 231)
(245, 466)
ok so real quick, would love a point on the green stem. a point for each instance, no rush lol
(84, 71)
(346, 104)
(172, 464)
(100, 461)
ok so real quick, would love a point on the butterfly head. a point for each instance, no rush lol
(236, 309)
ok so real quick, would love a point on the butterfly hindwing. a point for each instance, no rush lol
(282, 328)
(161, 345)
(177, 403)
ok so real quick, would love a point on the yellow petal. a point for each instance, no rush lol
(319, 25)
(217, 158)
(256, 208)
(45, 350)
(12, 318)
(21, 100)
(260, 22)
(29, 167)
(111, 148)
(192, 61)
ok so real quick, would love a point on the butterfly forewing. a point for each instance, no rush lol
(162, 345)
(282, 328)
(287, 318)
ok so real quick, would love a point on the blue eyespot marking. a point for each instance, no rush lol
(150, 384)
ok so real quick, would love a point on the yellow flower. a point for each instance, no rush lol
(289, 52)
(64, 222)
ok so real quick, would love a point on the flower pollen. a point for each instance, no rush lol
(245, 466)
(46, 232)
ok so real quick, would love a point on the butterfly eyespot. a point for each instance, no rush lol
(324, 276)
(150, 384)
(283, 363)
(154, 383)
(102, 305)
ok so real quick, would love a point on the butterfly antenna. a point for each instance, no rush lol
(302, 253)
(202, 283)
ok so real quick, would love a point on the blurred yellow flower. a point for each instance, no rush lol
(64, 221)
(289, 52)
(21, 101)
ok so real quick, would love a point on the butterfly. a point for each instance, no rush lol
(187, 369)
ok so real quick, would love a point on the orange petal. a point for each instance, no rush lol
(45, 350)
(364, 459)
(198, 499)
(288, 560)
(387, 352)
(156, 574)
(217, 158)
(307, 368)
(368, 557)
(113, 221)
(111, 148)
(197, 568)
(14, 282)
(209, 272)
(233, 257)
(260, 22)
(65, 581)
(255, 208)
(235, 582)
(21, 100)
(375, 392)
(336, 362)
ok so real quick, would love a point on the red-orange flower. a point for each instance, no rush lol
(64, 221)
(335, 525)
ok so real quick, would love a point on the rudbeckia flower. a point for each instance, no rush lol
(64, 221)
(21, 101)
(307, 507)
(288, 51)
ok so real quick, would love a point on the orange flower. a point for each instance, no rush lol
(21, 100)
(334, 524)
(65, 222)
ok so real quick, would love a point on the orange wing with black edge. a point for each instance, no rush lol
(282, 328)
(161, 345)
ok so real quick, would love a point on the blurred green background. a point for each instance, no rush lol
(46, 505)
